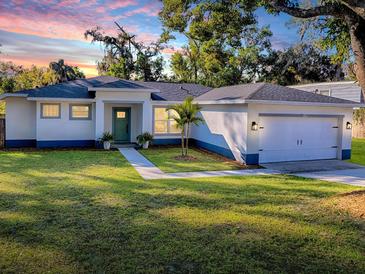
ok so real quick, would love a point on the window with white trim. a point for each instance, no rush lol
(164, 122)
(50, 111)
(80, 112)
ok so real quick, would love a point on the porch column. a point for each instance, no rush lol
(147, 117)
(99, 119)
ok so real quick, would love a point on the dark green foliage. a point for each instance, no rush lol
(126, 58)
(300, 64)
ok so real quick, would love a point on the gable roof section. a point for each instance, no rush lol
(268, 92)
(81, 89)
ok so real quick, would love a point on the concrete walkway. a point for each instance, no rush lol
(149, 171)
(355, 177)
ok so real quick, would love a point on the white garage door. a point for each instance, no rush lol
(297, 138)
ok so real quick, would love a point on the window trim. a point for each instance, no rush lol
(89, 117)
(168, 124)
(52, 104)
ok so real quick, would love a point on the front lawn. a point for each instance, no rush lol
(90, 212)
(166, 159)
(358, 151)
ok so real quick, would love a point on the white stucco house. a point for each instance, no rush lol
(251, 123)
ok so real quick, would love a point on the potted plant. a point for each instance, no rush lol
(106, 138)
(144, 139)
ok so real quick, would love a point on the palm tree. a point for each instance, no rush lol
(188, 115)
(180, 123)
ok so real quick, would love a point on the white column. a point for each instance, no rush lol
(99, 119)
(147, 116)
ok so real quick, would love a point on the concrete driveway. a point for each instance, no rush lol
(311, 166)
(327, 170)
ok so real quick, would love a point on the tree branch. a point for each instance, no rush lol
(358, 6)
(282, 6)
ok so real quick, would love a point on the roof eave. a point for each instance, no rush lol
(220, 102)
(65, 99)
(296, 103)
(5, 95)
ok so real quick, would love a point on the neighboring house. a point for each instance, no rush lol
(252, 123)
(348, 90)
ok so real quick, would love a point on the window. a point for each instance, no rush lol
(120, 114)
(164, 121)
(50, 111)
(80, 112)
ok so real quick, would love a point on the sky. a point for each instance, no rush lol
(40, 31)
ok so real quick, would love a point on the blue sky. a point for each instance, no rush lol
(40, 31)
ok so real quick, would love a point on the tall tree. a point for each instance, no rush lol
(126, 58)
(222, 36)
(302, 63)
(342, 22)
(66, 72)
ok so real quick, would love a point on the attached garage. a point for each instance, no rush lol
(298, 137)
(276, 124)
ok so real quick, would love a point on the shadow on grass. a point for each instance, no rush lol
(83, 211)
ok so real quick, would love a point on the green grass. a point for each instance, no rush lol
(90, 212)
(164, 158)
(358, 151)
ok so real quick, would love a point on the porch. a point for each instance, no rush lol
(124, 120)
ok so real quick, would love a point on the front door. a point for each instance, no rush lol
(121, 125)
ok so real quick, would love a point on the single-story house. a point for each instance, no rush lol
(251, 123)
(348, 90)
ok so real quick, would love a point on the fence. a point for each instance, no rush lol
(2, 132)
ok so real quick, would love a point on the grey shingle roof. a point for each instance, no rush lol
(70, 89)
(267, 92)
(179, 91)
(80, 88)
(175, 91)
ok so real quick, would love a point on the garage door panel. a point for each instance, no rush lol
(297, 138)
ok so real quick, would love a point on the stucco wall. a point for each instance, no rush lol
(64, 128)
(20, 119)
(225, 127)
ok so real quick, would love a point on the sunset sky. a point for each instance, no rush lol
(40, 31)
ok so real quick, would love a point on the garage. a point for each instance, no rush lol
(298, 137)
(262, 123)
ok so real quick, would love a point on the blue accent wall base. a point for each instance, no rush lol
(65, 143)
(251, 159)
(346, 154)
(20, 143)
(213, 148)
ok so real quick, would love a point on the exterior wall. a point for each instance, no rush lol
(224, 130)
(136, 118)
(53, 131)
(344, 90)
(344, 137)
(20, 122)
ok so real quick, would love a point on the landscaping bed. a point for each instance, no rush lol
(169, 160)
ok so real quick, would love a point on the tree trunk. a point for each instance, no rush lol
(357, 34)
(187, 139)
(182, 142)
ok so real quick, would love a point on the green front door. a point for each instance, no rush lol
(121, 125)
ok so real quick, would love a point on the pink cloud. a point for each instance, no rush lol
(66, 20)
(151, 9)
